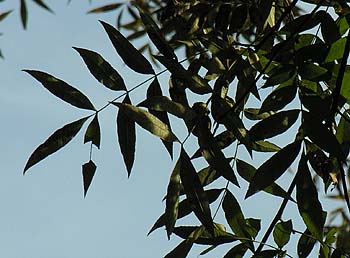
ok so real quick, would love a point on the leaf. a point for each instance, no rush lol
(101, 69)
(93, 132)
(336, 50)
(43, 5)
(273, 168)
(156, 35)
(305, 244)
(237, 251)
(320, 135)
(281, 233)
(309, 206)
(105, 8)
(147, 121)
(329, 28)
(279, 75)
(194, 192)
(278, 99)
(62, 90)
(253, 226)
(55, 142)
(273, 125)
(130, 55)
(24, 14)
(247, 172)
(181, 250)
(265, 146)
(4, 15)
(126, 136)
(172, 200)
(88, 173)
(256, 114)
(269, 254)
(313, 72)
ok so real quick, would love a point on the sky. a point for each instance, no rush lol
(43, 213)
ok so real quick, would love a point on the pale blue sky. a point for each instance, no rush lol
(43, 214)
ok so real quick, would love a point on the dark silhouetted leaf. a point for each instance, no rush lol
(273, 168)
(4, 15)
(130, 55)
(93, 132)
(101, 69)
(43, 5)
(265, 146)
(106, 8)
(313, 72)
(24, 13)
(247, 172)
(273, 125)
(309, 206)
(55, 142)
(147, 121)
(172, 199)
(281, 233)
(237, 251)
(88, 170)
(256, 114)
(194, 192)
(62, 90)
(278, 99)
(268, 254)
(126, 136)
(329, 28)
(280, 74)
(305, 244)
(181, 251)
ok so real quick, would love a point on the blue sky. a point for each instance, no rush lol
(43, 214)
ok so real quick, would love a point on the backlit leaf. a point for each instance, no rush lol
(265, 146)
(147, 121)
(106, 8)
(62, 90)
(126, 136)
(281, 233)
(88, 170)
(273, 168)
(101, 69)
(130, 55)
(24, 13)
(336, 50)
(305, 244)
(93, 132)
(55, 142)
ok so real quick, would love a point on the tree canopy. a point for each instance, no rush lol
(252, 71)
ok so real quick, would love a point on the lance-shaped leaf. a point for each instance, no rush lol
(126, 136)
(55, 142)
(237, 251)
(273, 125)
(154, 90)
(3, 15)
(106, 8)
(93, 132)
(185, 208)
(130, 55)
(101, 69)
(43, 5)
(278, 99)
(265, 146)
(147, 121)
(62, 90)
(256, 114)
(172, 199)
(24, 13)
(281, 233)
(320, 135)
(180, 251)
(156, 35)
(194, 191)
(305, 244)
(273, 168)
(309, 206)
(235, 217)
(88, 170)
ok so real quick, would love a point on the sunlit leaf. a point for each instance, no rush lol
(130, 55)
(336, 50)
(101, 69)
(88, 170)
(281, 233)
(126, 136)
(42, 4)
(24, 13)
(55, 142)
(273, 168)
(256, 114)
(147, 121)
(62, 90)
(305, 244)
(265, 146)
(106, 8)
(93, 132)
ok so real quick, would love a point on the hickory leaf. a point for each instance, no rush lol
(93, 132)
(88, 171)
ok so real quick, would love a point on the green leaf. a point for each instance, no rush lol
(321, 136)
(88, 170)
(281, 233)
(279, 75)
(253, 226)
(181, 251)
(24, 13)
(194, 192)
(278, 99)
(130, 55)
(172, 200)
(62, 90)
(305, 244)
(336, 50)
(247, 172)
(256, 114)
(126, 136)
(101, 69)
(273, 168)
(147, 121)
(313, 72)
(265, 146)
(43, 5)
(343, 130)
(4, 15)
(237, 251)
(55, 142)
(309, 206)
(105, 8)
(274, 125)
(93, 132)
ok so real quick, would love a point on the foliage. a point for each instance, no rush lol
(295, 66)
